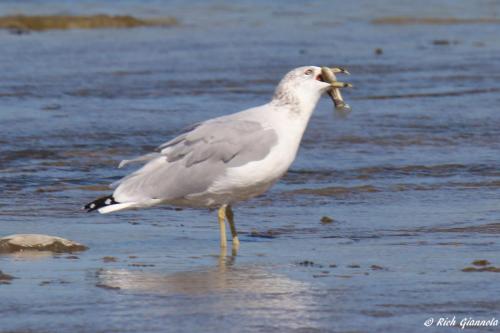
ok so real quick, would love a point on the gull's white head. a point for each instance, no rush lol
(301, 87)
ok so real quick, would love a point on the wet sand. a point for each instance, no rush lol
(410, 179)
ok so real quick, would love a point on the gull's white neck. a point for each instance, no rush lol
(298, 107)
(289, 114)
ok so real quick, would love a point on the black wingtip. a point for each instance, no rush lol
(98, 203)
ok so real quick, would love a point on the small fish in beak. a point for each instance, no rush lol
(329, 77)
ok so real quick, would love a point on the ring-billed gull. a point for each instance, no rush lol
(224, 160)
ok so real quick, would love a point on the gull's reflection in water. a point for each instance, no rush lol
(30, 255)
(250, 288)
(225, 276)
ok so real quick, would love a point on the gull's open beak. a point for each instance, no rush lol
(327, 75)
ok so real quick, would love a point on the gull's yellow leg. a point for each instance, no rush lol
(222, 226)
(222, 259)
(234, 234)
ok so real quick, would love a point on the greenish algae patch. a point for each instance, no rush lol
(64, 22)
(326, 220)
(481, 262)
(483, 266)
(482, 269)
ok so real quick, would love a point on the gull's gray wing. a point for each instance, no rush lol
(191, 162)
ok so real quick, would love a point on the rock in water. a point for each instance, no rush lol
(37, 242)
(6, 278)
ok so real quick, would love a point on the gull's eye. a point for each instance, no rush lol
(308, 72)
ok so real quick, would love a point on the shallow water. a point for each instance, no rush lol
(411, 177)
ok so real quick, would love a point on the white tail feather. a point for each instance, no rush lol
(128, 205)
(117, 207)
